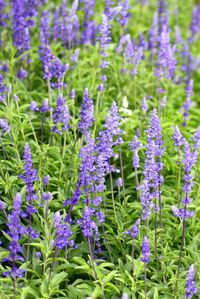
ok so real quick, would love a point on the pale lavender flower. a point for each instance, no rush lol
(144, 105)
(177, 137)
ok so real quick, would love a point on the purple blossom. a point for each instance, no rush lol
(88, 225)
(20, 29)
(190, 288)
(144, 105)
(74, 57)
(189, 89)
(2, 205)
(57, 71)
(189, 160)
(86, 114)
(104, 40)
(145, 250)
(61, 116)
(73, 201)
(29, 177)
(21, 74)
(133, 232)
(4, 126)
(145, 199)
(15, 231)
(69, 25)
(177, 137)
(63, 233)
(124, 14)
(153, 35)
(72, 94)
(89, 26)
(134, 146)
(182, 213)
(46, 196)
(196, 139)
(166, 62)
(119, 182)
(107, 139)
(45, 180)
(195, 24)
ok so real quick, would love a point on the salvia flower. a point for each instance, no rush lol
(104, 40)
(108, 138)
(134, 146)
(190, 288)
(144, 105)
(89, 26)
(22, 74)
(61, 116)
(88, 225)
(178, 137)
(45, 180)
(145, 250)
(189, 160)
(4, 126)
(15, 231)
(29, 177)
(196, 139)
(153, 35)
(124, 14)
(63, 233)
(133, 232)
(86, 114)
(43, 108)
(20, 29)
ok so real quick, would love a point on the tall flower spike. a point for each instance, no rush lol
(89, 26)
(190, 288)
(104, 40)
(30, 176)
(20, 29)
(133, 232)
(61, 116)
(86, 114)
(63, 233)
(145, 250)
(177, 137)
(144, 105)
(16, 230)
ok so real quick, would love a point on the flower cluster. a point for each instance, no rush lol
(29, 177)
(61, 116)
(63, 233)
(15, 231)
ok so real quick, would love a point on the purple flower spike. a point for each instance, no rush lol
(88, 225)
(4, 126)
(15, 231)
(190, 289)
(145, 250)
(86, 114)
(178, 138)
(63, 233)
(21, 74)
(133, 232)
(61, 116)
(29, 177)
(144, 105)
